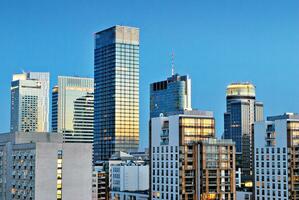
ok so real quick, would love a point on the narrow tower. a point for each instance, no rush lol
(242, 110)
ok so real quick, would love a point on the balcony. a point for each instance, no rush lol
(189, 175)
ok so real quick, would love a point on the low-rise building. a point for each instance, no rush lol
(130, 176)
(124, 176)
(100, 183)
(117, 195)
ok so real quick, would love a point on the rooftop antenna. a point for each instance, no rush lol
(172, 64)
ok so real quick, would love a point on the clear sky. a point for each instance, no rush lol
(215, 42)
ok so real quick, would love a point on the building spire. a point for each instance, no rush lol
(172, 63)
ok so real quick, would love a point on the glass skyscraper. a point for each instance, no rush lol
(30, 102)
(171, 95)
(116, 74)
(242, 110)
(73, 109)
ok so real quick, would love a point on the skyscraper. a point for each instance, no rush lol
(276, 161)
(30, 102)
(170, 95)
(116, 73)
(73, 108)
(242, 110)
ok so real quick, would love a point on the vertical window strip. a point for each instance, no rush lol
(59, 175)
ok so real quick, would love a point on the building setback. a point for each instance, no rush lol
(116, 74)
(30, 102)
(242, 110)
(276, 163)
(170, 95)
(41, 166)
(73, 109)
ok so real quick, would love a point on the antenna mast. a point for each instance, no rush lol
(172, 63)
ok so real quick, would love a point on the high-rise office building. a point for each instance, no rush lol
(30, 102)
(183, 166)
(173, 94)
(242, 110)
(41, 166)
(73, 108)
(276, 161)
(116, 74)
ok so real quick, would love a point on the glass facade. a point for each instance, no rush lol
(116, 91)
(240, 89)
(242, 110)
(192, 130)
(173, 94)
(73, 109)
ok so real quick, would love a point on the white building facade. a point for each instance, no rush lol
(30, 102)
(165, 158)
(117, 195)
(130, 177)
(129, 180)
(276, 148)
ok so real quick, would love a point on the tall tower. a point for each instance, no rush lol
(170, 95)
(242, 110)
(116, 74)
(73, 108)
(30, 102)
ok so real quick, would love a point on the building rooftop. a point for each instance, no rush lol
(30, 137)
(240, 89)
(174, 78)
(215, 141)
(287, 115)
(194, 112)
(117, 27)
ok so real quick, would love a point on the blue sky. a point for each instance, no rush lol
(215, 42)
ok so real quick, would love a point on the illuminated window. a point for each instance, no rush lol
(59, 175)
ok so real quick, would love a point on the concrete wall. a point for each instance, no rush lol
(76, 171)
(46, 170)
